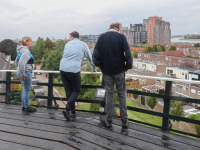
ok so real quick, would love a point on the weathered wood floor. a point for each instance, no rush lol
(47, 129)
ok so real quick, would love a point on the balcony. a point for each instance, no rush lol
(48, 129)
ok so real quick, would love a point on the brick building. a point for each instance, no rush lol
(128, 34)
(158, 31)
(189, 50)
(170, 60)
(147, 69)
(91, 39)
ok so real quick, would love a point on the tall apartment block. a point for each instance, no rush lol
(158, 31)
(138, 32)
(92, 39)
(128, 34)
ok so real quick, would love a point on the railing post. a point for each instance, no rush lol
(8, 78)
(166, 109)
(50, 91)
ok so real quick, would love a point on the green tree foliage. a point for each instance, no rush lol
(197, 45)
(135, 53)
(172, 48)
(8, 47)
(38, 50)
(148, 49)
(48, 44)
(135, 96)
(155, 49)
(59, 45)
(163, 48)
(196, 126)
(189, 56)
(177, 109)
(52, 62)
(88, 93)
(152, 102)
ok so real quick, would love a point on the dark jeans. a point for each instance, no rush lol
(72, 85)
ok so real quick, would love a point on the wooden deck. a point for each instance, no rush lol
(48, 129)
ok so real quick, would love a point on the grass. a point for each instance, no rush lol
(60, 89)
(83, 106)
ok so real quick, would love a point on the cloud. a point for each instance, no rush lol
(49, 18)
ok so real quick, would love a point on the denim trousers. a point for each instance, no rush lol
(26, 88)
(72, 85)
(121, 90)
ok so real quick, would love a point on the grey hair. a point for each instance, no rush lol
(115, 25)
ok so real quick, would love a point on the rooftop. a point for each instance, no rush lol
(47, 129)
(173, 53)
(149, 62)
(193, 70)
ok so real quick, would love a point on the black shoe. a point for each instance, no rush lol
(30, 109)
(73, 115)
(23, 108)
(66, 114)
(125, 124)
(108, 124)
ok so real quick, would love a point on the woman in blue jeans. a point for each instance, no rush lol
(25, 64)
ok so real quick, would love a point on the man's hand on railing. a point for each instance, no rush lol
(93, 71)
(23, 78)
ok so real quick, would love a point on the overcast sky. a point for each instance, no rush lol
(57, 18)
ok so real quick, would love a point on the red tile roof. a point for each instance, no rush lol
(182, 45)
(173, 53)
(137, 48)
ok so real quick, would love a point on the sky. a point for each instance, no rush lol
(57, 18)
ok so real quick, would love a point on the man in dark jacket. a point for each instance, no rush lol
(112, 55)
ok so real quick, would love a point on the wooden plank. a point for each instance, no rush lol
(33, 142)
(4, 145)
(67, 139)
(131, 141)
(94, 138)
(155, 131)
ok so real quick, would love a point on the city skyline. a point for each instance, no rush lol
(58, 18)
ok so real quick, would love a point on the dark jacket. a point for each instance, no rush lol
(112, 53)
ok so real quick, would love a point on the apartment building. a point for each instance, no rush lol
(158, 31)
(139, 33)
(92, 39)
(128, 34)
(179, 88)
(145, 68)
(171, 60)
(190, 50)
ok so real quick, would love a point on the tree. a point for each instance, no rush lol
(189, 56)
(48, 44)
(152, 102)
(8, 47)
(38, 50)
(163, 48)
(135, 53)
(177, 109)
(155, 49)
(172, 48)
(196, 126)
(148, 49)
(135, 96)
(197, 45)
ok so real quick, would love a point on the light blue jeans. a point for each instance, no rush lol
(26, 88)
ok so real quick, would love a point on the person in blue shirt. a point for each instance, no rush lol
(70, 67)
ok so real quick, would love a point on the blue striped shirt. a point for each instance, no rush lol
(73, 55)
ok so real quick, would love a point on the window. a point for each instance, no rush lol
(183, 73)
(179, 60)
(174, 85)
(162, 81)
(157, 80)
(193, 91)
(183, 60)
(166, 58)
(195, 62)
(180, 87)
(170, 59)
(198, 92)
